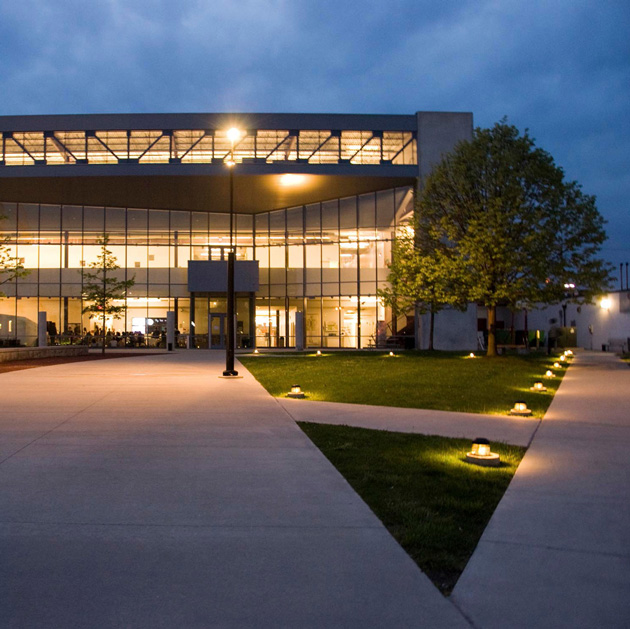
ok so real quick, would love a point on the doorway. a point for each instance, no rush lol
(217, 331)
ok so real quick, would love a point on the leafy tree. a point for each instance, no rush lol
(421, 277)
(511, 225)
(10, 266)
(101, 287)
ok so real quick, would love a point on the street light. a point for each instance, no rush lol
(233, 136)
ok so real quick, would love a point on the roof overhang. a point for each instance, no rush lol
(197, 187)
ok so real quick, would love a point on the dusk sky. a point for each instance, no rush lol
(558, 67)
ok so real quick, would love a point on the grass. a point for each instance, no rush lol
(435, 505)
(432, 380)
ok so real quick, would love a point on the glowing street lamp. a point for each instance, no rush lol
(234, 136)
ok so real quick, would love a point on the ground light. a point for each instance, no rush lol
(557, 365)
(296, 392)
(520, 409)
(318, 353)
(550, 374)
(538, 386)
(392, 354)
(471, 355)
(256, 351)
(480, 454)
(562, 358)
(568, 352)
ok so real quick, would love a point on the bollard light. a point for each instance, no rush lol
(480, 454)
(520, 409)
(296, 392)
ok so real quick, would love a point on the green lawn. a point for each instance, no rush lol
(434, 503)
(432, 380)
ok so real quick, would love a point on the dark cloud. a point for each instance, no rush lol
(560, 68)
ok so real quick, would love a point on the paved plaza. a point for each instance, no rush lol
(148, 492)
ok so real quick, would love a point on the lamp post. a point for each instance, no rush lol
(233, 135)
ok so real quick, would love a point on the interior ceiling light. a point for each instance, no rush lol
(292, 180)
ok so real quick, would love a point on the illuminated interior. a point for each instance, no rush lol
(324, 259)
(318, 146)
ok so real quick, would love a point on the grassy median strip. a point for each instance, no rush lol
(433, 380)
(434, 503)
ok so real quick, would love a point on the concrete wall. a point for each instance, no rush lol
(438, 133)
(454, 330)
(25, 353)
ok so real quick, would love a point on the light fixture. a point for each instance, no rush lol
(538, 386)
(256, 351)
(471, 355)
(480, 454)
(296, 392)
(392, 354)
(550, 374)
(568, 352)
(520, 409)
(290, 179)
(318, 353)
(557, 365)
(562, 358)
(604, 304)
(234, 135)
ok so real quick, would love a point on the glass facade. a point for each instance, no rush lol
(204, 146)
(325, 259)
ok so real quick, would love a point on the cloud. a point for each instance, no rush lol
(560, 68)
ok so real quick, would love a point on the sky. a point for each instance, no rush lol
(560, 68)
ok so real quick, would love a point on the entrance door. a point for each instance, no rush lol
(217, 331)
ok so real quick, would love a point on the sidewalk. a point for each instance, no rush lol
(148, 492)
(557, 550)
(514, 430)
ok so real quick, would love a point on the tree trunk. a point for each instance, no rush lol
(431, 330)
(492, 341)
(104, 334)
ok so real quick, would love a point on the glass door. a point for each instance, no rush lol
(217, 331)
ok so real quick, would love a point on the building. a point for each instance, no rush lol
(316, 199)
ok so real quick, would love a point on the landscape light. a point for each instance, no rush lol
(392, 354)
(550, 374)
(562, 358)
(480, 454)
(538, 386)
(471, 355)
(520, 409)
(318, 353)
(296, 392)
(557, 365)
(256, 351)
(568, 352)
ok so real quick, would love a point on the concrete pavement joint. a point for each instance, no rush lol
(65, 421)
(563, 549)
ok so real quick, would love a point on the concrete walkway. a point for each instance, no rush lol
(515, 430)
(147, 492)
(557, 550)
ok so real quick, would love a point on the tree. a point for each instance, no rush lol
(10, 266)
(102, 287)
(421, 277)
(516, 231)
